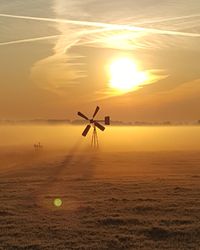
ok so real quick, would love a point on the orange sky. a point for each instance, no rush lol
(55, 58)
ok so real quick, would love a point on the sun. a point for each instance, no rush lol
(124, 75)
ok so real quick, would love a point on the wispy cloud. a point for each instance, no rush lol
(35, 39)
(107, 25)
(141, 31)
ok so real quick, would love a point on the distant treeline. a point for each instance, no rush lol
(79, 122)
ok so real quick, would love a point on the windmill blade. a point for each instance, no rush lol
(83, 116)
(98, 125)
(96, 111)
(85, 132)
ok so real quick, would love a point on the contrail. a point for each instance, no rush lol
(106, 25)
(43, 38)
(168, 19)
(30, 40)
(174, 18)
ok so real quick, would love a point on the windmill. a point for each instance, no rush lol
(95, 124)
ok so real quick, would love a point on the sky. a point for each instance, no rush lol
(55, 58)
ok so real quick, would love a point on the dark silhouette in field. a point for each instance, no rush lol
(95, 124)
(38, 146)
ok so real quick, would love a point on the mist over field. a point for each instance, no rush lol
(115, 138)
(114, 198)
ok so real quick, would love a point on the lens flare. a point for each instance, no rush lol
(57, 202)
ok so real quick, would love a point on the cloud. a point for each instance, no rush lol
(36, 39)
(108, 25)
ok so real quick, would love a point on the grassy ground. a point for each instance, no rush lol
(109, 200)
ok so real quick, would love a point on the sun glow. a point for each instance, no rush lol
(125, 76)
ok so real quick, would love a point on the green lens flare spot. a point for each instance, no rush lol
(57, 202)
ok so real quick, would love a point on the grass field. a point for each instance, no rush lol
(127, 200)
